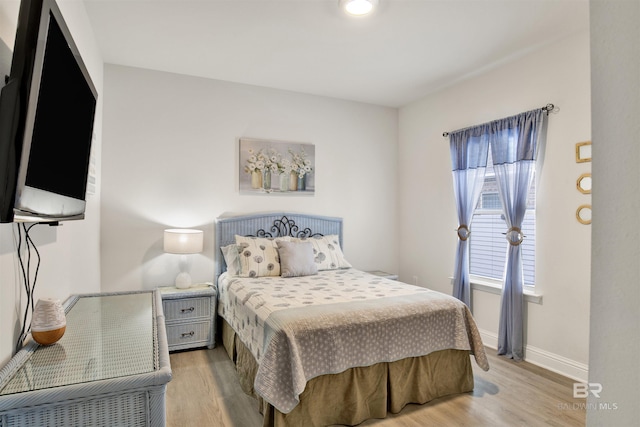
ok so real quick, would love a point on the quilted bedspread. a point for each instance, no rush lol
(300, 328)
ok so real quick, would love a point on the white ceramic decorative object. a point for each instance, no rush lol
(48, 322)
(183, 280)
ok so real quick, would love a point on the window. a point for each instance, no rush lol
(487, 245)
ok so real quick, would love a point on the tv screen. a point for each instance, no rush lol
(53, 118)
(59, 152)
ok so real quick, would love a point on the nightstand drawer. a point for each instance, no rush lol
(188, 333)
(187, 308)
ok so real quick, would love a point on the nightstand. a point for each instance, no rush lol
(189, 316)
(384, 274)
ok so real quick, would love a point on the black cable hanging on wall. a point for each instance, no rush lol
(29, 286)
(549, 108)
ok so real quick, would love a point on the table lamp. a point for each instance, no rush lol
(183, 241)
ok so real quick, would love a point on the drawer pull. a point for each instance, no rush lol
(188, 334)
(187, 310)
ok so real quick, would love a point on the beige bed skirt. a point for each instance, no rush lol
(358, 394)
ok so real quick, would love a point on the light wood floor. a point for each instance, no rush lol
(204, 391)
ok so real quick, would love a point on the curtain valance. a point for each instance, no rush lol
(525, 127)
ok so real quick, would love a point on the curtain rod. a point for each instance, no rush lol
(547, 108)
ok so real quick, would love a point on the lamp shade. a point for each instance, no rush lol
(183, 241)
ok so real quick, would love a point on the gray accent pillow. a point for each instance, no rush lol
(296, 259)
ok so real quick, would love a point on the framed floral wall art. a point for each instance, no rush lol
(276, 167)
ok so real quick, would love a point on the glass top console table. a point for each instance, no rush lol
(111, 367)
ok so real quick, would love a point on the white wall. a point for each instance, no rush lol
(70, 254)
(615, 303)
(170, 159)
(557, 333)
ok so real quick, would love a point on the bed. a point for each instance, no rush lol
(318, 342)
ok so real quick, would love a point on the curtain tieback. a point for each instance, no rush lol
(463, 232)
(514, 236)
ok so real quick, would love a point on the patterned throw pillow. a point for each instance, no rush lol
(259, 256)
(327, 253)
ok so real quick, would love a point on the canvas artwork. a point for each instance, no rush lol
(276, 167)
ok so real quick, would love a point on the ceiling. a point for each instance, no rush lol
(404, 51)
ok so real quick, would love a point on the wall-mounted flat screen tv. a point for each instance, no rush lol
(47, 111)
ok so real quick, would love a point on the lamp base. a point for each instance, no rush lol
(183, 281)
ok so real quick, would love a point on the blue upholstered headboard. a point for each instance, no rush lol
(272, 224)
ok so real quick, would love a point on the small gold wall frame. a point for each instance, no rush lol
(584, 183)
(583, 214)
(583, 152)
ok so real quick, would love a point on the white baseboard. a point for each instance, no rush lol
(550, 361)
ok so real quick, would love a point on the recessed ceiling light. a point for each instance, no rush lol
(358, 7)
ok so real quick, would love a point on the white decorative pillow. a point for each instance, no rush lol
(231, 255)
(296, 259)
(327, 253)
(259, 256)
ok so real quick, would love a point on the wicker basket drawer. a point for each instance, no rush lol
(188, 333)
(186, 308)
(124, 409)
